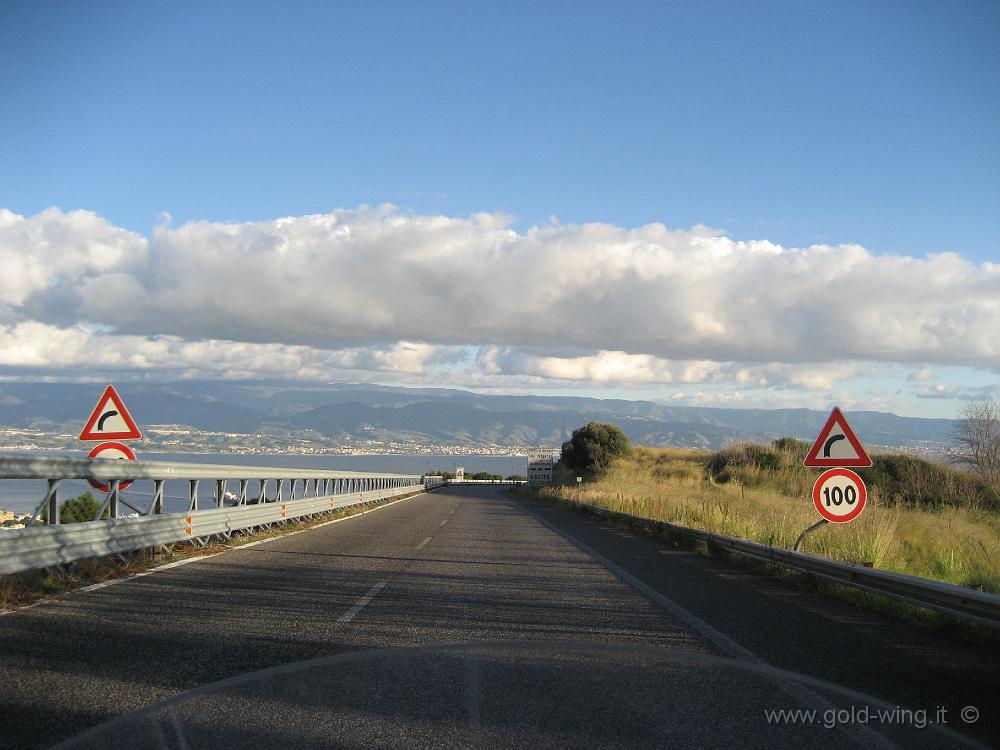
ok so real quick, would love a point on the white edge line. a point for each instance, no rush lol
(361, 603)
(189, 560)
(725, 644)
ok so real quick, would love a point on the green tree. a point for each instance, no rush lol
(593, 447)
(75, 510)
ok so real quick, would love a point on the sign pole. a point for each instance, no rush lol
(802, 537)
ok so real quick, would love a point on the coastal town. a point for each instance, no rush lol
(183, 439)
(10, 519)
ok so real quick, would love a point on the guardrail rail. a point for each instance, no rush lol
(958, 601)
(260, 498)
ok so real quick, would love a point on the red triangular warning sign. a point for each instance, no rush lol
(110, 420)
(837, 445)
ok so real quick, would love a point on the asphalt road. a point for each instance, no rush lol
(569, 633)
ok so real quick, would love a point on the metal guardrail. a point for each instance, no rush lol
(281, 495)
(959, 601)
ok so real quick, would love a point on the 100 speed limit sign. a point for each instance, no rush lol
(839, 495)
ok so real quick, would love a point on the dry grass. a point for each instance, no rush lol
(956, 545)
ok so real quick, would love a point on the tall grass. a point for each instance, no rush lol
(746, 493)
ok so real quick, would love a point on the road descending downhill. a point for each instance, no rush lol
(473, 617)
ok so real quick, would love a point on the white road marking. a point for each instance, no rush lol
(361, 603)
(444, 522)
(423, 543)
(95, 586)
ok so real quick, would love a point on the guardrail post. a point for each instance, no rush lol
(220, 492)
(52, 502)
(243, 491)
(193, 494)
(114, 493)
(156, 506)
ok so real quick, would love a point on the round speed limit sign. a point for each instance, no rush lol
(839, 495)
(114, 451)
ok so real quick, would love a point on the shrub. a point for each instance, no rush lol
(732, 462)
(483, 475)
(793, 451)
(593, 447)
(75, 510)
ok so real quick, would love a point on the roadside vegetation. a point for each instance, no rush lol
(922, 518)
(592, 448)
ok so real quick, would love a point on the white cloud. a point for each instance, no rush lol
(620, 367)
(939, 390)
(46, 258)
(40, 346)
(373, 289)
(923, 375)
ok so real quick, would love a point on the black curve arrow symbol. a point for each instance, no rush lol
(112, 413)
(826, 446)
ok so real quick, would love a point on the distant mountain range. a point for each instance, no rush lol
(436, 416)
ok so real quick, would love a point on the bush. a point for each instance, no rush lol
(484, 476)
(593, 447)
(75, 510)
(793, 452)
(728, 463)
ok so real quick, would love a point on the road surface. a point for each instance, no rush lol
(578, 633)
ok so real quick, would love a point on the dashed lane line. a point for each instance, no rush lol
(361, 603)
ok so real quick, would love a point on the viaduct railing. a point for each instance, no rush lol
(239, 498)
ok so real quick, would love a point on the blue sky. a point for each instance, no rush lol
(798, 123)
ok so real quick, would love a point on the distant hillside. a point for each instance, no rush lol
(440, 416)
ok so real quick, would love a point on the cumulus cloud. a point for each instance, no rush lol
(621, 367)
(46, 259)
(923, 375)
(39, 346)
(376, 289)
